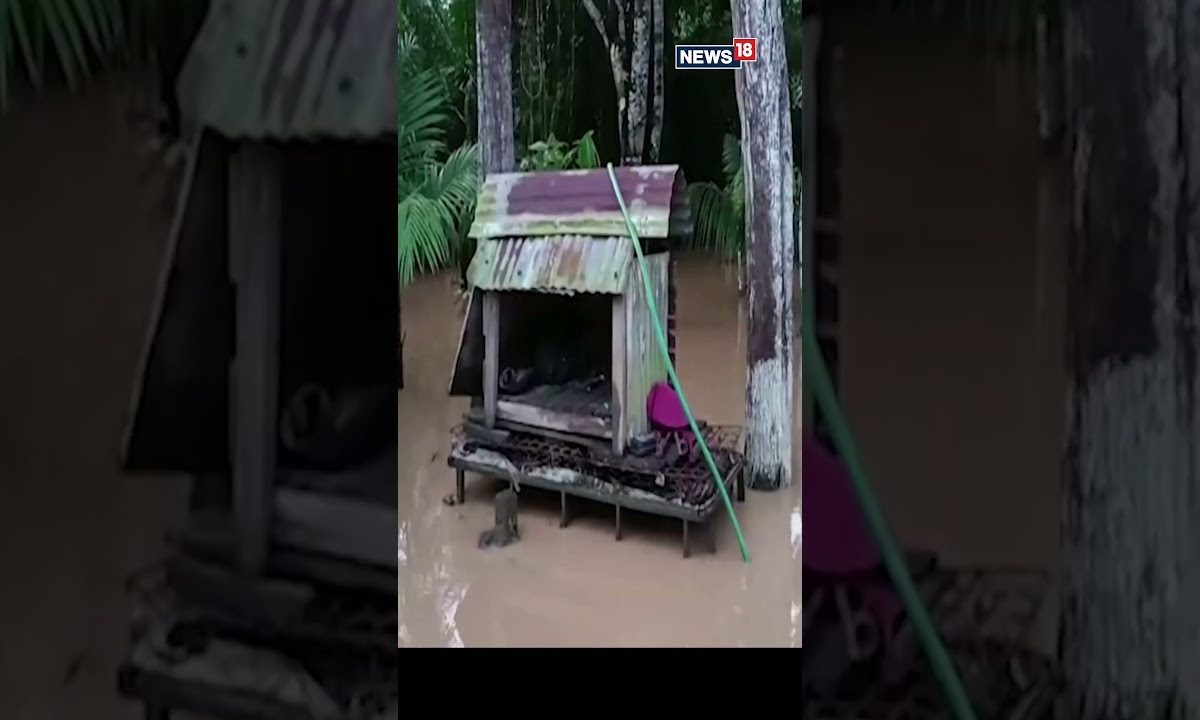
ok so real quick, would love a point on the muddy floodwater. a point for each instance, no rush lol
(578, 586)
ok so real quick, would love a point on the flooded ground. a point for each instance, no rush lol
(578, 586)
(953, 303)
(80, 247)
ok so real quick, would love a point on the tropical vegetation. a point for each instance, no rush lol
(438, 186)
(558, 50)
(44, 41)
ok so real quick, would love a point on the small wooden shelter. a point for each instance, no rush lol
(560, 338)
(287, 204)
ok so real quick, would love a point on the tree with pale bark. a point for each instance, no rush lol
(633, 32)
(763, 101)
(494, 85)
(1130, 626)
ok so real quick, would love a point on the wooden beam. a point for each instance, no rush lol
(225, 679)
(209, 535)
(810, 223)
(208, 584)
(573, 482)
(336, 525)
(502, 435)
(255, 239)
(491, 356)
(541, 418)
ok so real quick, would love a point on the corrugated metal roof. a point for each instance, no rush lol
(581, 202)
(567, 264)
(286, 69)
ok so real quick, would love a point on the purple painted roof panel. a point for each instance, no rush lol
(581, 202)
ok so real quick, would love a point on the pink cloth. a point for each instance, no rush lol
(664, 409)
(836, 540)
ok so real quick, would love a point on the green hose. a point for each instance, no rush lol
(943, 668)
(666, 355)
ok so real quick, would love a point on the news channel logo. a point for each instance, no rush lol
(716, 57)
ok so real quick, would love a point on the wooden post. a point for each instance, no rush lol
(809, 189)
(497, 143)
(491, 356)
(1131, 499)
(620, 416)
(255, 239)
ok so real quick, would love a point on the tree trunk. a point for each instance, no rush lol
(639, 84)
(493, 47)
(616, 64)
(1129, 626)
(762, 92)
(635, 54)
(658, 95)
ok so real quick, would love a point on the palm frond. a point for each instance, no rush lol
(456, 188)
(436, 195)
(587, 157)
(421, 128)
(82, 36)
(719, 226)
(731, 156)
(735, 174)
(458, 179)
(421, 225)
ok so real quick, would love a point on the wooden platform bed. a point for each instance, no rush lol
(467, 455)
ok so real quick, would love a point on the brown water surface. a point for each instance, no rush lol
(578, 586)
(82, 235)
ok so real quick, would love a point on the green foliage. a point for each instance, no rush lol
(437, 190)
(547, 42)
(439, 36)
(38, 38)
(719, 212)
(42, 40)
(555, 154)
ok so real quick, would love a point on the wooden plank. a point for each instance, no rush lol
(477, 462)
(619, 358)
(373, 480)
(475, 430)
(590, 443)
(467, 377)
(209, 534)
(338, 526)
(272, 601)
(255, 240)
(158, 307)
(810, 222)
(491, 356)
(485, 434)
(553, 419)
(179, 418)
(226, 679)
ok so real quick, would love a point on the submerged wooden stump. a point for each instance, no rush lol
(505, 531)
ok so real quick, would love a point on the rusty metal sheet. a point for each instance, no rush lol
(581, 202)
(566, 264)
(294, 69)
